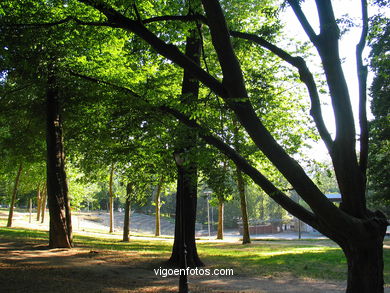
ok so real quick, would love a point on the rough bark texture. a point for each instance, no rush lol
(111, 200)
(186, 192)
(220, 220)
(13, 198)
(365, 262)
(60, 233)
(126, 222)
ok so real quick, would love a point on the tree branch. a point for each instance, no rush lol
(362, 78)
(185, 18)
(277, 195)
(115, 19)
(55, 23)
(306, 77)
(303, 20)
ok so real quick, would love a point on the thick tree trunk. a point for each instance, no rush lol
(13, 198)
(186, 196)
(186, 192)
(60, 234)
(43, 207)
(220, 219)
(126, 222)
(111, 200)
(365, 266)
(245, 225)
(157, 202)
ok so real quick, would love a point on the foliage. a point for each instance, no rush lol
(379, 159)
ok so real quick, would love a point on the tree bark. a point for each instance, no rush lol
(365, 265)
(43, 206)
(126, 222)
(60, 233)
(220, 219)
(38, 202)
(244, 213)
(157, 202)
(186, 192)
(13, 198)
(111, 200)
(187, 172)
(30, 209)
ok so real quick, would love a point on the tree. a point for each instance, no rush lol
(379, 162)
(357, 230)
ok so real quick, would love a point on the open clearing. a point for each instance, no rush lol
(27, 265)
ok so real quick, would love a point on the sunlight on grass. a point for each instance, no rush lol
(318, 260)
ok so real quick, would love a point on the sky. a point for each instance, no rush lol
(347, 52)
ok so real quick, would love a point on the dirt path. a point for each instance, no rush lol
(32, 267)
(29, 267)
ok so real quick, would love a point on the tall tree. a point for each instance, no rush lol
(379, 156)
(187, 169)
(356, 229)
(60, 233)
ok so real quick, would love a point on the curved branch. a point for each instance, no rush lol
(362, 78)
(303, 20)
(276, 194)
(115, 19)
(306, 77)
(185, 18)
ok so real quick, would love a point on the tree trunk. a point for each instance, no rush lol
(60, 234)
(186, 195)
(157, 202)
(38, 202)
(111, 201)
(43, 207)
(245, 225)
(13, 198)
(220, 220)
(186, 192)
(126, 222)
(365, 266)
(30, 209)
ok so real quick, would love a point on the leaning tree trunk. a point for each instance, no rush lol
(245, 225)
(126, 221)
(111, 200)
(13, 198)
(157, 202)
(220, 219)
(60, 234)
(186, 195)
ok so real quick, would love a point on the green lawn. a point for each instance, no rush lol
(314, 259)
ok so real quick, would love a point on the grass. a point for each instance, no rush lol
(276, 258)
